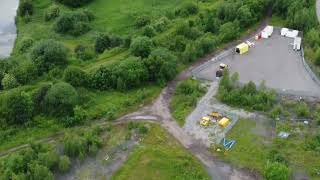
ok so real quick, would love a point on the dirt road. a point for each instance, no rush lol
(159, 112)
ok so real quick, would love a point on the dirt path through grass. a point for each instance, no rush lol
(159, 112)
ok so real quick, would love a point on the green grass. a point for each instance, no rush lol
(182, 102)
(160, 157)
(249, 150)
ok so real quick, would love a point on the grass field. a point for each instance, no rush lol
(160, 157)
(253, 150)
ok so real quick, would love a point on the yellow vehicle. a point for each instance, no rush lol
(205, 121)
(215, 115)
(224, 122)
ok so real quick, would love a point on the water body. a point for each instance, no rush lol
(8, 10)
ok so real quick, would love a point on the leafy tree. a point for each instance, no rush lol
(130, 73)
(9, 82)
(47, 54)
(25, 8)
(142, 21)
(141, 46)
(76, 77)
(61, 99)
(52, 12)
(161, 65)
(74, 3)
(229, 31)
(245, 17)
(276, 171)
(25, 44)
(25, 72)
(38, 97)
(103, 78)
(76, 23)
(107, 41)
(187, 9)
(18, 108)
(149, 31)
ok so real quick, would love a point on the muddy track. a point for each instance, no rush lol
(159, 112)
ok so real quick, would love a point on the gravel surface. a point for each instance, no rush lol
(271, 60)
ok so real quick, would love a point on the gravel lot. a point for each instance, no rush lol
(272, 60)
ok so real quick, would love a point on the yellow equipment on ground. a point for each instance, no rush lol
(205, 121)
(224, 122)
(215, 115)
(242, 48)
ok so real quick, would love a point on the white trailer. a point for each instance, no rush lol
(289, 33)
(297, 44)
(267, 32)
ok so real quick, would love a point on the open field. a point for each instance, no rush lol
(160, 157)
(271, 60)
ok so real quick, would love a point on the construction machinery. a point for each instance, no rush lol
(205, 121)
(224, 122)
(215, 115)
(222, 67)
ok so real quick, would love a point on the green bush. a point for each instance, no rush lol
(25, 8)
(39, 172)
(187, 9)
(247, 96)
(51, 13)
(49, 159)
(61, 99)
(9, 82)
(161, 24)
(18, 108)
(76, 77)
(25, 44)
(79, 116)
(107, 41)
(149, 31)
(302, 110)
(75, 23)
(64, 164)
(142, 21)
(25, 72)
(141, 46)
(74, 3)
(161, 65)
(276, 171)
(229, 31)
(38, 97)
(84, 52)
(48, 54)
(74, 145)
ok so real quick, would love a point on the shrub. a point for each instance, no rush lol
(80, 115)
(76, 77)
(25, 44)
(47, 54)
(107, 41)
(64, 164)
(130, 73)
(149, 31)
(25, 72)
(38, 97)
(74, 145)
(84, 52)
(76, 24)
(25, 8)
(302, 110)
(187, 10)
(40, 172)
(52, 12)
(74, 3)
(229, 31)
(161, 24)
(9, 82)
(142, 21)
(61, 99)
(161, 65)
(276, 171)
(49, 159)
(103, 78)
(141, 46)
(18, 108)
